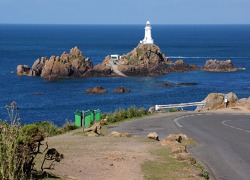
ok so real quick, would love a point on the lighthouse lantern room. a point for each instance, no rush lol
(147, 38)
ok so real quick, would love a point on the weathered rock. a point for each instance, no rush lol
(168, 84)
(245, 102)
(177, 137)
(145, 60)
(173, 143)
(91, 134)
(95, 128)
(146, 55)
(216, 101)
(153, 135)
(219, 66)
(174, 146)
(181, 66)
(122, 90)
(96, 90)
(73, 64)
(152, 109)
(23, 70)
(117, 134)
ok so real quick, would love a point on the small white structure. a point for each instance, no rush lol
(114, 57)
(147, 38)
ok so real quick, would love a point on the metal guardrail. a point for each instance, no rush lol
(181, 105)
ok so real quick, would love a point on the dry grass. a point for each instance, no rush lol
(111, 158)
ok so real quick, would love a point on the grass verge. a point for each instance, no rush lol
(166, 167)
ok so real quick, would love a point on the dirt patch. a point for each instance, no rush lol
(102, 157)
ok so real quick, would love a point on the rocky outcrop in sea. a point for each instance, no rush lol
(145, 60)
(96, 90)
(219, 66)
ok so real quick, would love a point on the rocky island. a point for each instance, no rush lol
(219, 66)
(144, 60)
(73, 64)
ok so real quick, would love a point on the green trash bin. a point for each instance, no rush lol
(97, 115)
(78, 118)
(92, 115)
(87, 118)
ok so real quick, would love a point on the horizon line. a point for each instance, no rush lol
(123, 24)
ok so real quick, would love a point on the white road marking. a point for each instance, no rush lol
(178, 118)
(177, 123)
(224, 123)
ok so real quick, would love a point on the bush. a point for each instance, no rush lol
(19, 146)
(49, 127)
(68, 127)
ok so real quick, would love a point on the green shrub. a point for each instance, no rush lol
(49, 127)
(121, 114)
(68, 127)
(19, 147)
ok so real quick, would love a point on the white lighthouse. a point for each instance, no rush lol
(148, 38)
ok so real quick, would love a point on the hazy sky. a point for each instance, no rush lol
(125, 11)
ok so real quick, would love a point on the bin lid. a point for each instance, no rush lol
(77, 112)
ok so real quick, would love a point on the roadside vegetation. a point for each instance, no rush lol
(19, 146)
(22, 147)
(124, 114)
(166, 167)
(51, 129)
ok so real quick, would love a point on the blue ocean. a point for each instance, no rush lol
(57, 101)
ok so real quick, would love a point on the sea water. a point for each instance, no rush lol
(57, 101)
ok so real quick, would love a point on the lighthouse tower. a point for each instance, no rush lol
(148, 38)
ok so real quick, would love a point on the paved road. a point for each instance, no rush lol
(223, 140)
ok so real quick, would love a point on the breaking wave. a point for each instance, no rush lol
(206, 57)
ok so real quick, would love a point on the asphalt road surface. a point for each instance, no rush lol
(223, 140)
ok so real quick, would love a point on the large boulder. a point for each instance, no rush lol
(219, 66)
(180, 66)
(23, 70)
(153, 135)
(117, 134)
(122, 90)
(245, 102)
(96, 90)
(217, 101)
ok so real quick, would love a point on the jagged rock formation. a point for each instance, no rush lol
(73, 64)
(219, 66)
(144, 60)
(245, 102)
(122, 90)
(96, 90)
(217, 101)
